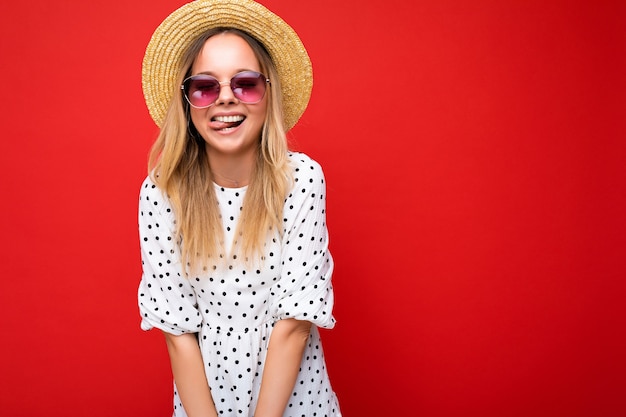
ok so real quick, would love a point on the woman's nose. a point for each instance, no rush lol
(226, 95)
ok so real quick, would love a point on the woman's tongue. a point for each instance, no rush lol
(225, 122)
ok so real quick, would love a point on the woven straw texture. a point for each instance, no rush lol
(178, 30)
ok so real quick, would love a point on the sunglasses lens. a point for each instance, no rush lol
(202, 90)
(248, 86)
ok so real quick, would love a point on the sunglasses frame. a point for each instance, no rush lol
(223, 83)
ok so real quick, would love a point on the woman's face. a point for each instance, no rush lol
(229, 127)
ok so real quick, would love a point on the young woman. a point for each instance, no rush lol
(234, 245)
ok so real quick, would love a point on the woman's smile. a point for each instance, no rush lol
(226, 123)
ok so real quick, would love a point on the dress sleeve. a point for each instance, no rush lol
(304, 290)
(167, 300)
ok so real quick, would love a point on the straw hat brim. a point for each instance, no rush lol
(175, 34)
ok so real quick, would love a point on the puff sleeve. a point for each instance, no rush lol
(304, 290)
(166, 298)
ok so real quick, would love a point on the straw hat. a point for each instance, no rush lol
(178, 30)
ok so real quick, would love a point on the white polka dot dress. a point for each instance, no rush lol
(233, 307)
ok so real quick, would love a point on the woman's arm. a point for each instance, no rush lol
(282, 365)
(188, 370)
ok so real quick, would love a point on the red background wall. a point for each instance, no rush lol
(475, 159)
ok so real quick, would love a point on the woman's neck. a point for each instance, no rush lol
(232, 171)
(228, 182)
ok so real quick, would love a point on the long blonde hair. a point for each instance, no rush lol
(178, 164)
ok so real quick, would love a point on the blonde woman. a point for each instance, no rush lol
(234, 245)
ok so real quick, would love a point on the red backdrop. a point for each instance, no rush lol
(475, 158)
